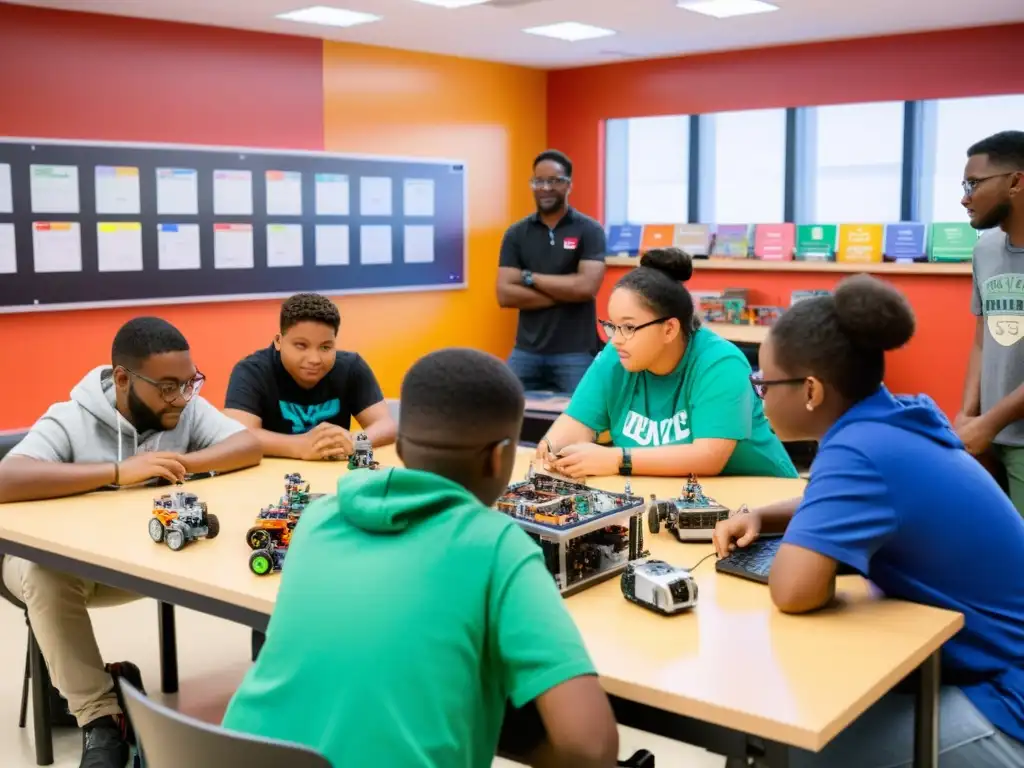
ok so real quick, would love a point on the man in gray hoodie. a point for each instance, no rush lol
(138, 420)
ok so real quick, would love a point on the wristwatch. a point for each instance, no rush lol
(626, 466)
(528, 278)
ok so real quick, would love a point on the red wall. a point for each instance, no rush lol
(957, 63)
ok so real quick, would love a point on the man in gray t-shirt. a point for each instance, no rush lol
(991, 421)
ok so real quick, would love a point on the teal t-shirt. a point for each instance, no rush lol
(708, 395)
(408, 615)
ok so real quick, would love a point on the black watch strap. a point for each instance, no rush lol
(626, 464)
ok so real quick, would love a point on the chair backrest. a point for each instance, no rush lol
(8, 440)
(169, 739)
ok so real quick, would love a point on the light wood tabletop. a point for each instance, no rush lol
(733, 661)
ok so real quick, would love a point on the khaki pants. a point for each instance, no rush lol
(58, 613)
(1012, 459)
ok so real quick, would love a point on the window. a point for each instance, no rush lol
(648, 170)
(954, 125)
(743, 167)
(852, 163)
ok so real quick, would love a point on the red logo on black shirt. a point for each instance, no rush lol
(570, 243)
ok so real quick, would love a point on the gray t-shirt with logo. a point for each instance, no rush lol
(999, 297)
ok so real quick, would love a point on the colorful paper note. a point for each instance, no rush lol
(656, 236)
(774, 242)
(624, 240)
(952, 242)
(695, 239)
(732, 241)
(904, 242)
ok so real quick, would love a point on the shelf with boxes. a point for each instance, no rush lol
(901, 248)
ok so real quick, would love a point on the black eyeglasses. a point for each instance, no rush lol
(557, 181)
(627, 329)
(970, 185)
(761, 386)
(172, 390)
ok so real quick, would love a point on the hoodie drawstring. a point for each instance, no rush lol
(135, 438)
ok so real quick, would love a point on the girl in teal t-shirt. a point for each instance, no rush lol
(676, 398)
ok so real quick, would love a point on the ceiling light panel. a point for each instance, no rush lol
(571, 31)
(328, 16)
(725, 9)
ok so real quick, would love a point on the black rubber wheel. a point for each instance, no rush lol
(258, 538)
(213, 526)
(261, 562)
(653, 520)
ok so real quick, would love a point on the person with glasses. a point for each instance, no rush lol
(675, 396)
(550, 269)
(991, 420)
(137, 420)
(893, 496)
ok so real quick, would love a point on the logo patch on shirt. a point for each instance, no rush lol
(1003, 303)
(647, 432)
(570, 243)
(304, 417)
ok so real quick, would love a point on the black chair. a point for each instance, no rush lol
(49, 708)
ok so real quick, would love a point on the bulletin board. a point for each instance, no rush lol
(91, 224)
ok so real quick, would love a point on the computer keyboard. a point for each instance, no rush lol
(753, 562)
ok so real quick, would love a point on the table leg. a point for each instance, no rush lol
(41, 724)
(926, 714)
(168, 649)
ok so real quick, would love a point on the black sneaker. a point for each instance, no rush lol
(104, 744)
(133, 675)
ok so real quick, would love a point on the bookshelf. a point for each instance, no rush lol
(757, 265)
(742, 333)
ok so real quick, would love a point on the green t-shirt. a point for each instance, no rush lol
(708, 395)
(408, 614)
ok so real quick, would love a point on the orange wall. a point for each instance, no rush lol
(81, 76)
(924, 66)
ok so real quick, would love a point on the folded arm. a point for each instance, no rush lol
(512, 294)
(238, 451)
(705, 456)
(271, 443)
(27, 479)
(582, 285)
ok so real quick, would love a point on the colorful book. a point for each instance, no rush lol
(905, 242)
(816, 242)
(656, 236)
(774, 242)
(624, 239)
(952, 242)
(732, 241)
(695, 239)
(860, 243)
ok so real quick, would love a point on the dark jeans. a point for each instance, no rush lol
(546, 373)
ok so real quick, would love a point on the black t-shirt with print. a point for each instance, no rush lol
(260, 385)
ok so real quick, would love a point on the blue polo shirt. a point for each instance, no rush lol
(894, 495)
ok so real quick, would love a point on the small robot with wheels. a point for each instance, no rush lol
(659, 586)
(362, 454)
(691, 517)
(179, 518)
(269, 556)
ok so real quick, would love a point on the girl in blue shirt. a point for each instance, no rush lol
(894, 496)
(675, 397)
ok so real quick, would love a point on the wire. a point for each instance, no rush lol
(713, 554)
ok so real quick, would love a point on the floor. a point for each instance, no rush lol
(212, 657)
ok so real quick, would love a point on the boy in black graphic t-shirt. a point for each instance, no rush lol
(299, 395)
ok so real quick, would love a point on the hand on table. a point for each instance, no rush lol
(326, 441)
(544, 451)
(975, 433)
(583, 459)
(147, 466)
(739, 531)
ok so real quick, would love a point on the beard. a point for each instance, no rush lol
(995, 217)
(144, 418)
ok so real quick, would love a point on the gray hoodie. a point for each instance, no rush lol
(89, 428)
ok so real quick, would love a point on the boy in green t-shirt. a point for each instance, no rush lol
(410, 614)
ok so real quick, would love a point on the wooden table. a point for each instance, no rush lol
(734, 676)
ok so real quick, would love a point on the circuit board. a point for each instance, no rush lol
(560, 504)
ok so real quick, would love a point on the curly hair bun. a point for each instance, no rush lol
(873, 314)
(674, 262)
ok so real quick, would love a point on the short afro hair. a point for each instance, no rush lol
(459, 397)
(841, 339)
(141, 338)
(556, 157)
(309, 307)
(1005, 148)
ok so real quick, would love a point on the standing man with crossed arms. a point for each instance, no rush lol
(551, 267)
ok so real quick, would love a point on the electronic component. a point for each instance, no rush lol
(691, 517)
(587, 535)
(659, 586)
(272, 532)
(362, 453)
(179, 518)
